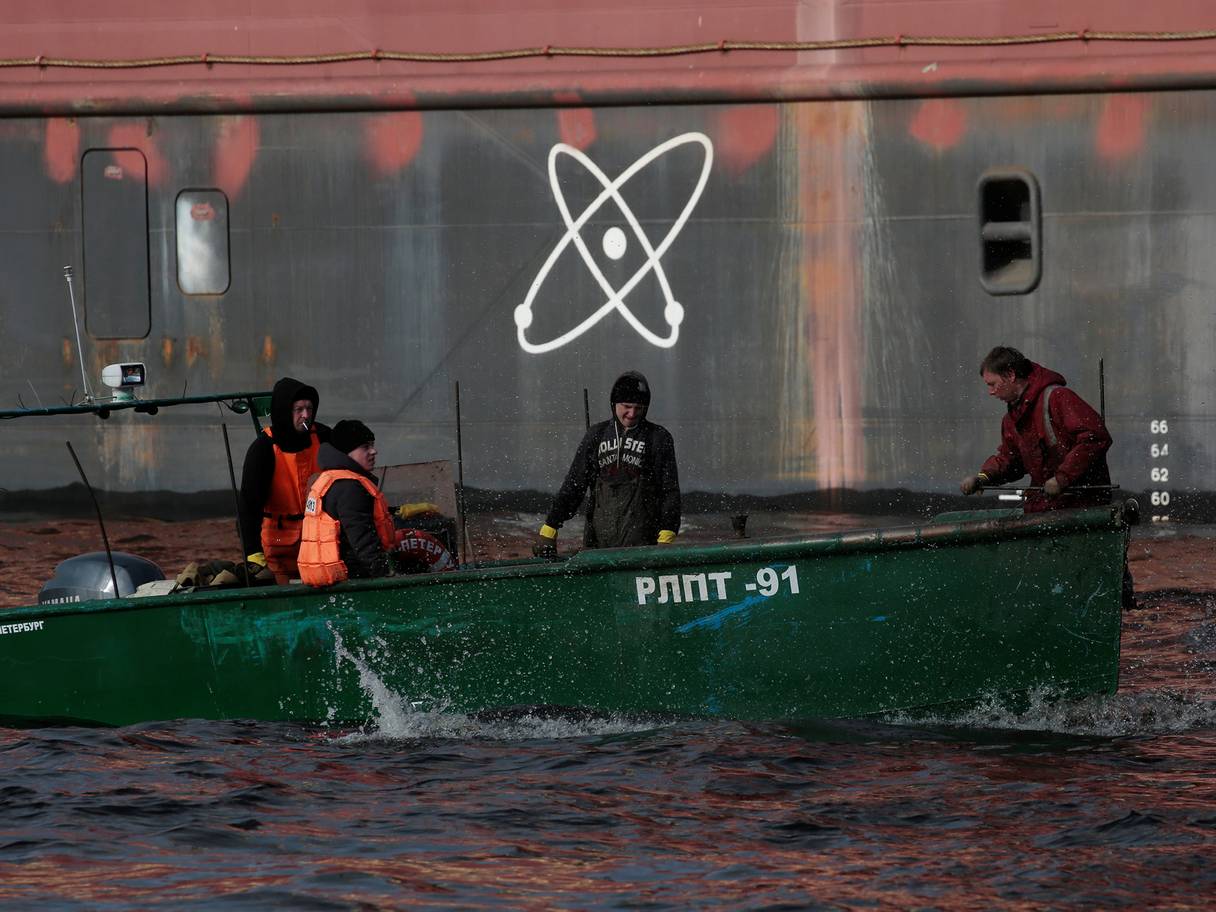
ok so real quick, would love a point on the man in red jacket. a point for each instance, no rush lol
(1048, 432)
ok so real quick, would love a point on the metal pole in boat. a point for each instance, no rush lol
(105, 538)
(67, 275)
(253, 413)
(1102, 389)
(1017, 487)
(460, 509)
(236, 497)
(586, 408)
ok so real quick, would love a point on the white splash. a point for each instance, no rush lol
(398, 718)
(1157, 712)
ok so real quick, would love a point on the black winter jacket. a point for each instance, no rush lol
(258, 470)
(609, 452)
(349, 503)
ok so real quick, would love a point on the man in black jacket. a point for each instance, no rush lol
(275, 477)
(629, 466)
(363, 517)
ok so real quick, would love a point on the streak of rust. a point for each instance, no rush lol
(939, 123)
(832, 205)
(269, 352)
(136, 136)
(166, 351)
(104, 351)
(392, 140)
(1122, 126)
(236, 147)
(195, 349)
(575, 125)
(216, 349)
(744, 134)
(62, 148)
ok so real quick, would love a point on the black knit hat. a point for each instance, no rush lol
(630, 387)
(350, 434)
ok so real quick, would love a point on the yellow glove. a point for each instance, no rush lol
(667, 537)
(410, 510)
(546, 543)
(259, 558)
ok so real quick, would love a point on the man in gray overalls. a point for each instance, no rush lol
(629, 466)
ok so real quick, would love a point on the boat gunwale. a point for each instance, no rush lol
(651, 559)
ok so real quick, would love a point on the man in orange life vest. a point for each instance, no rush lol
(348, 528)
(274, 480)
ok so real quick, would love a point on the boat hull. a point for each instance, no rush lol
(843, 625)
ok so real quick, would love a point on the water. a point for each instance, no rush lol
(1108, 803)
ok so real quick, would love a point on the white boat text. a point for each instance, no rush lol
(709, 587)
(21, 627)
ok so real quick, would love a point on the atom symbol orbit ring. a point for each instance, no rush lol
(615, 243)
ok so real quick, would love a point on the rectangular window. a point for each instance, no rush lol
(202, 242)
(1011, 242)
(114, 214)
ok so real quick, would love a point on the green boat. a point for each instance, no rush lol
(917, 619)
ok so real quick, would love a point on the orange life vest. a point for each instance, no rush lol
(319, 560)
(283, 512)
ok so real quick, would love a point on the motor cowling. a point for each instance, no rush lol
(86, 577)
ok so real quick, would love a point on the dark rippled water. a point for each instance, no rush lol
(1107, 804)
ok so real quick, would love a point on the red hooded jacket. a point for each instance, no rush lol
(1078, 458)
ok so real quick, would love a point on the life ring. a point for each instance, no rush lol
(421, 552)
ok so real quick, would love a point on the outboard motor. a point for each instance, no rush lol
(87, 576)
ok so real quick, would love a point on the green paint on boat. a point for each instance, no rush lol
(900, 619)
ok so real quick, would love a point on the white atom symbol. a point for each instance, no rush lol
(615, 242)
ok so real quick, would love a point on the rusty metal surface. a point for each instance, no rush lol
(826, 272)
(139, 29)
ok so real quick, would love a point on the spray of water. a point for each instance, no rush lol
(1146, 713)
(402, 718)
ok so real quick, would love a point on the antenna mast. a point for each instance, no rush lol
(67, 275)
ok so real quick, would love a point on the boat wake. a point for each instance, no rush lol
(1145, 713)
(400, 718)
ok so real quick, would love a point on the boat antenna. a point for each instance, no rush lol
(586, 408)
(88, 395)
(460, 505)
(105, 538)
(236, 497)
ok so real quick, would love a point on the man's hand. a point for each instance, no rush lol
(546, 543)
(545, 547)
(1052, 487)
(255, 572)
(973, 484)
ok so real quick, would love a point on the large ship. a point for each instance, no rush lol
(805, 222)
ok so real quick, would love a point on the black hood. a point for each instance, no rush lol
(630, 386)
(286, 392)
(330, 457)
